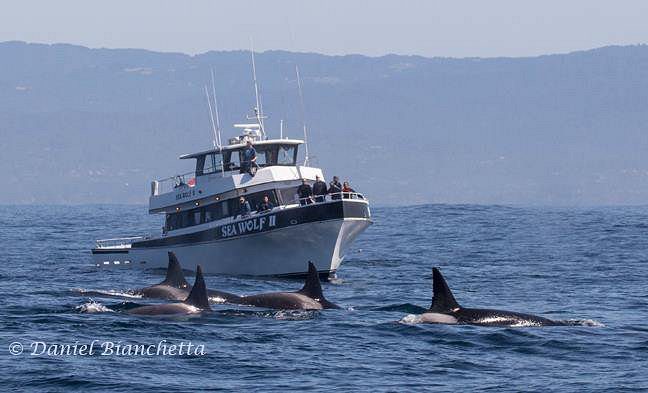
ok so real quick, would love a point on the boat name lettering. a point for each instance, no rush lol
(185, 194)
(256, 224)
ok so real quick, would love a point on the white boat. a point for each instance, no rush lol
(202, 225)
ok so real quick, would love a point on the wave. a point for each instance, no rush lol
(582, 322)
(109, 293)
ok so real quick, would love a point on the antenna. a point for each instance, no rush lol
(281, 129)
(218, 128)
(257, 110)
(303, 116)
(211, 116)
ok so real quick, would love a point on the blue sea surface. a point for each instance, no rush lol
(588, 265)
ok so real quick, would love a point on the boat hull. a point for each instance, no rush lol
(320, 233)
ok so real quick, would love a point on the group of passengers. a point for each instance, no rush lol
(317, 193)
(245, 209)
(307, 195)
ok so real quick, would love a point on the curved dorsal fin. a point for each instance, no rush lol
(442, 299)
(312, 287)
(198, 295)
(174, 276)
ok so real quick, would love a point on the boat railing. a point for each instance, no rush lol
(169, 184)
(120, 242)
(327, 198)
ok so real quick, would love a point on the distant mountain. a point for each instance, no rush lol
(81, 125)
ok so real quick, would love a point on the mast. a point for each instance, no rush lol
(211, 116)
(257, 110)
(218, 128)
(303, 116)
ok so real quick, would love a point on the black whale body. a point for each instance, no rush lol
(196, 301)
(446, 310)
(176, 287)
(310, 297)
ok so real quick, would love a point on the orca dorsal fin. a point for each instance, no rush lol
(312, 287)
(198, 295)
(442, 299)
(174, 276)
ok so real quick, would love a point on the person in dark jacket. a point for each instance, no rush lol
(249, 165)
(265, 205)
(319, 189)
(335, 188)
(244, 207)
(305, 193)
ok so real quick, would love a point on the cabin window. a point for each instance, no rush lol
(172, 222)
(197, 213)
(212, 164)
(287, 155)
(216, 211)
(289, 195)
(232, 160)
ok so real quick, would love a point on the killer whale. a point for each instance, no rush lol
(175, 286)
(310, 297)
(446, 310)
(196, 301)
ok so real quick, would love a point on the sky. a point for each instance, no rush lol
(428, 28)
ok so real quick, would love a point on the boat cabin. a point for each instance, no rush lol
(280, 152)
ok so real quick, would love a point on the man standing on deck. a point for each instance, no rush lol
(335, 188)
(319, 189)
(249, 159)
(305, 193)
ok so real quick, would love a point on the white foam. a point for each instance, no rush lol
(92, 307)
(585, 322)
(217, 299)
(293, 314)
(111, 292)
(411, 319)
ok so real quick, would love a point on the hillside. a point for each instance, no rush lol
(81, 125)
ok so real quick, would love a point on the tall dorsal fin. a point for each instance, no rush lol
(312, 288)
(442, 300)
(198, 295)
(174, 276)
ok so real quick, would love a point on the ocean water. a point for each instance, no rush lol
(587, 265)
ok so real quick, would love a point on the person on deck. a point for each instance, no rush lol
(335, 188)
(319, 189)
(265, 205)
(305, 193)
(249, 159)
(347, 190)
(244, 208)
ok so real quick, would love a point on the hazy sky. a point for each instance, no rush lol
(429, 28)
